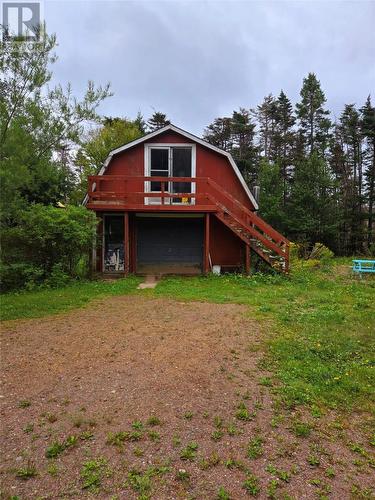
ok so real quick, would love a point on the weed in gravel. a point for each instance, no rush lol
(313, 460)
(135, 436)
(138, 452)
(358, 492)
(217, 435)
(86, 435)
(28, 428)
(271, 489)
(243, 413)
(255, 447)
(27, 472)
(218, 422)
(251, 485)
(182, 475)
(24, 403)
(301, 429)
(330, 472)
(117, 438)
(222, 494)
(55, 449)
(176, 441)
(189, 452)
(283, 475)
(137, 425)
(154, 436)
(232, 430)
(276, 421)
(141, 482)
(209, 462)
(92, 473)
(52, 469)
(50, 417)
(188, 415)
(232, 463)
(153, 421)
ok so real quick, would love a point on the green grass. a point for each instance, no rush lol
(319, 326)
(45, 302)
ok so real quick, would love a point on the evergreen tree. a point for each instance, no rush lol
(157, 120)
(313, 118)
(266, 115)
(312, 215)
(284, 141)
(352, 179)
(219, 133)
(271, 195)
(368, 132)
(243, 149)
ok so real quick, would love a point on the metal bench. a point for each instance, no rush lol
(363, 266)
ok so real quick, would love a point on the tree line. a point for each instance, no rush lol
(316, 176)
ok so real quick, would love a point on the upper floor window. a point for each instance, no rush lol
(171, 161)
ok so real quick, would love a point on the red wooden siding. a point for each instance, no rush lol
(208, 164)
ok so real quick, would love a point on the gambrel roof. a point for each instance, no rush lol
(193, 138)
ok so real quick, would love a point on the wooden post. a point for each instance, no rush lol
(126, 243)
(206, 253)
(247, 258)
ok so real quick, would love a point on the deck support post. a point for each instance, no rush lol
(126, 244)
(247, 258)
(206, 253)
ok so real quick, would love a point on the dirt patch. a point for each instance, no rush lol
(183, 374)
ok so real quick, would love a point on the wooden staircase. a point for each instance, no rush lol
(262, 238)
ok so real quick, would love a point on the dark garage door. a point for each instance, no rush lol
(169, 241)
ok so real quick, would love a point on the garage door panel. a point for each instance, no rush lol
(169, 240)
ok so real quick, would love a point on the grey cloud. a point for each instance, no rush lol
(198, 60)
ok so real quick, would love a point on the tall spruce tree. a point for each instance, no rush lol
(368, 132)
(313, 118)
(284, 141)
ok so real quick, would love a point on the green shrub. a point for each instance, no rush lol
(46, 245)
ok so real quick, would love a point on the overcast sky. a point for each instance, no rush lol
(198, 60)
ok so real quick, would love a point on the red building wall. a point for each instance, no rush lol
(208, 164)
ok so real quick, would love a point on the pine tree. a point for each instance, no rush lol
(368, 132)
(313, 118)
(157, 120)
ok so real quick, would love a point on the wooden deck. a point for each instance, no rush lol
(132, 194)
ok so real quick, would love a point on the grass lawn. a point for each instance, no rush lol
(44, 302)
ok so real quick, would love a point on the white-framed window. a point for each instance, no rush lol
(170, 160)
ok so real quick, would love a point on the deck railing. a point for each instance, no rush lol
(134, 193)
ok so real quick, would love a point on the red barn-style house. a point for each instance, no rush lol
(170, 202)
